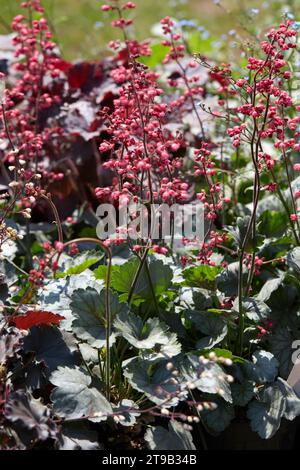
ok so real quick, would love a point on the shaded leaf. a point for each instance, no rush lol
(49, 346)
(175, 438)
(264, 367)
(219, 419)
(265, 415)
(30, 414)
(227, 280)
(242, 393)
(281, 346)
(77, 436)
(211, 325)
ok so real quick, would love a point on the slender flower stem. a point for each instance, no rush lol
(108, 318)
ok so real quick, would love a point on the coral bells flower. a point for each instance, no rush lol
(265, 329)
(36, 87)
(159, 249)
(59, 246)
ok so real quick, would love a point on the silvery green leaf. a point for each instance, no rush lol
(263, 368)
(148, 335)
(74, 265)
(270, 286)
(163, 351)
(242, 393)
(265, 415)
(89, 354)
(88, 309)
(281, 346)
(227, 280)
(56, 295)
(254, 309)
(208, 377)
(9, 249)
(161, 277)
(210, 324)
(270, 203)
(154, 380)
(217, 420)
(175, 438)
(292, 402)
(293, 259)
(239, 231)
(73, 398)
(127, 409)
(8, 273)
(195, 298)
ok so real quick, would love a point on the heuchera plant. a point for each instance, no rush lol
(106, 342)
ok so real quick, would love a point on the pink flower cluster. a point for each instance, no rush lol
(37, 87)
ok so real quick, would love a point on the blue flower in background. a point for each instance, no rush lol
(187, 24)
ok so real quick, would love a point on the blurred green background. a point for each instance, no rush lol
(82, 29)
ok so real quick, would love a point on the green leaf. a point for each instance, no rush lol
(220, 352)
(201, 276)
(88, 308)
(175, 438)
(158, 54)
(217, 420)
(80, 268)
(101, 272)
(273, 223)
(161, 278)
(73, 398)
(72, 265)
